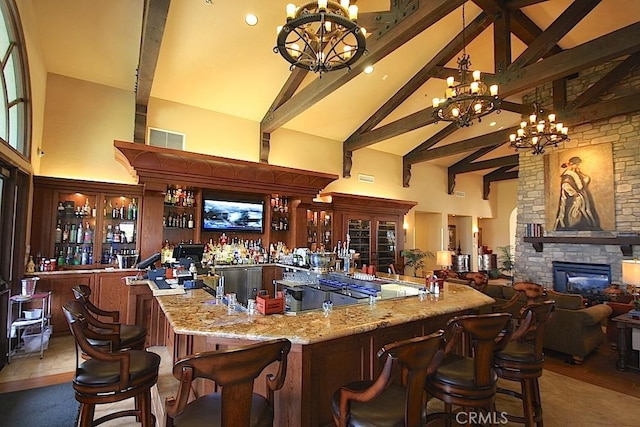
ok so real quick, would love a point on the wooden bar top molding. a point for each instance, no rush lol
(161, 165)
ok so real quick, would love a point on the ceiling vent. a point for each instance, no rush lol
(166, 139)
(369, 179)
(461, 194)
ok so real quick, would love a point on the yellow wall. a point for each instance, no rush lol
(83, 119)
(81, 122)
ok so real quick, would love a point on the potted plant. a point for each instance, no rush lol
(415, 259)
(507, 264)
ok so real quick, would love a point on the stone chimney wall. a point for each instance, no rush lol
(623, 132)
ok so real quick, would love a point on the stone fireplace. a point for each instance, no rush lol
(536, 264)
(588, 280)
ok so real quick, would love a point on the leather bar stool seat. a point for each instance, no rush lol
(522, 360)
(108, 377)
(466, 378)
(396, 397)
(129, 336)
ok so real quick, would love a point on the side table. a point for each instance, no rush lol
(625, 325)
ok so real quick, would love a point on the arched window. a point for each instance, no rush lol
(14, 114)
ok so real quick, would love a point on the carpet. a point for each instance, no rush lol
(50, 406)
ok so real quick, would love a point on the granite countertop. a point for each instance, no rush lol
(196, 313)
(82, 271)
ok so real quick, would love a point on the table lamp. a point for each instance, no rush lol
(443, 258)
(631, 277)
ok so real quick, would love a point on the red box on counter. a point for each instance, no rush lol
(268, 305)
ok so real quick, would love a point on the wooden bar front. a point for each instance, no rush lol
(327, 352)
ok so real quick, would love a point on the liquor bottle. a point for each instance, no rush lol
(80, 234)
(130, 211)
(86, 209)
(134, 210)
(190, 222)
(60, 208)
(286, 205)
(109, 234)
(88, 234)
(74, 234)
(114, 211)
(167, 197)
(84, 257)
(116, 234)
(31, 266)
(94, 211)
(61, 259)
(104, 208)
(121, 212)
(58, 232)
(77, 256)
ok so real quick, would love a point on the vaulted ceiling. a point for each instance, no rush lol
(201, 53)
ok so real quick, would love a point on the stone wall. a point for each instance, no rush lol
(623, 132)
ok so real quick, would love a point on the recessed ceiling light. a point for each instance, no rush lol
(251, 19)
(368, 69)
(492, 124)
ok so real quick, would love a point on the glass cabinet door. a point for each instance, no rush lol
(119, 227)
(360, 235)
(319, 230)
(74, 231)
(386, 244)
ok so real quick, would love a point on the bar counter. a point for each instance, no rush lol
(196, 313)
(327, 352)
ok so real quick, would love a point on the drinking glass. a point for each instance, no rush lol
(251, 306)
(231, 302)
(327, 306)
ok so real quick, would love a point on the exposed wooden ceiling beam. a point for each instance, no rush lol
(549, 38)
(442, 134)
(518, 4)
(608, 81)
(598, 51)
(477, 26)
(500, 174)
(426, 15)
(153, 22)
(511, 161)
(599, 111)
(619, 43)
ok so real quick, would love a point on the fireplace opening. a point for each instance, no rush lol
(587, 280)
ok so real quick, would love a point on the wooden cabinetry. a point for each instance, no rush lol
(374, 226)
(143, 310)
(83, 223)
(108, 291)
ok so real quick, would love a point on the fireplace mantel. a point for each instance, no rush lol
(626, 243)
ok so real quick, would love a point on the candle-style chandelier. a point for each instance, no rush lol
(321, 36)
(466, 100)
(538, 133)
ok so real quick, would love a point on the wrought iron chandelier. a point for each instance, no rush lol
(466, 100)
(321, 36)
(538, 133)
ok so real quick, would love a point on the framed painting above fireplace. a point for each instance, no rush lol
(579, 192)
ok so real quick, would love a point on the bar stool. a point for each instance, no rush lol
(129, 336)
(522, 360)
(469, 381)
(110, 377)
(234, 370)
(381, 402)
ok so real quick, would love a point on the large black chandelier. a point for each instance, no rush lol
(468, 99)
(538, 133)
(321, 36)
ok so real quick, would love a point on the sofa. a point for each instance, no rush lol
(573, 329)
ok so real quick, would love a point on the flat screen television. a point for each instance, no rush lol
(232, 215)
